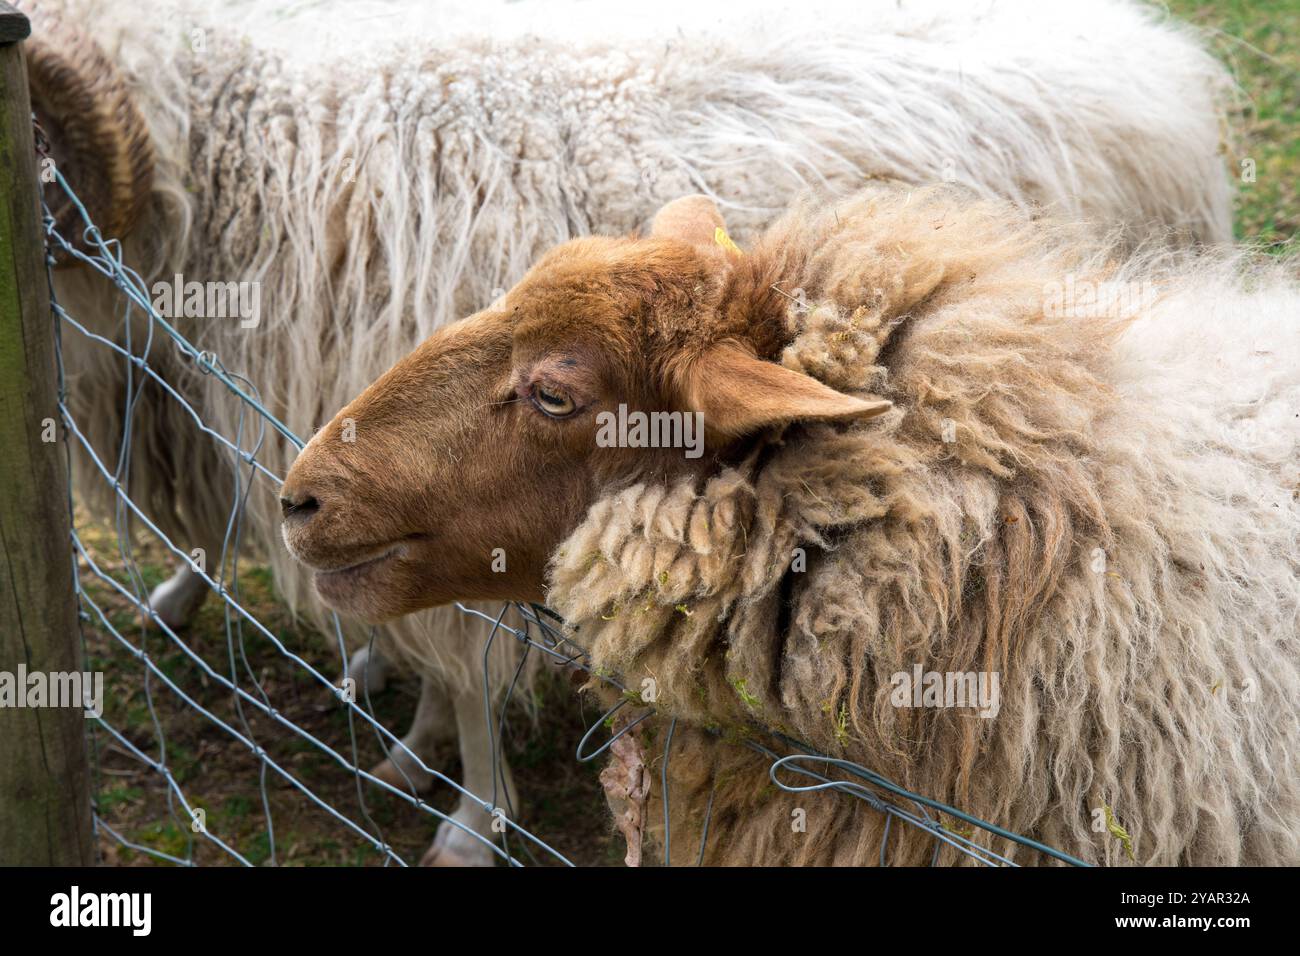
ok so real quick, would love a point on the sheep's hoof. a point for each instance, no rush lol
(455, 847)
(444, 856)
(413, 779)
(179, 598)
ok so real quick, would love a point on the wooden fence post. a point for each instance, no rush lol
(44, 777)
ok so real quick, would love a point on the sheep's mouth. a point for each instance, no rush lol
(337, 585)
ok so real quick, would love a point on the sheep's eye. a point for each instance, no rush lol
(552, 402)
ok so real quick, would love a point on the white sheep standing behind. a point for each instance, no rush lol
(378, 188)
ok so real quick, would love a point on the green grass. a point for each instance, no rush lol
(1260, 42)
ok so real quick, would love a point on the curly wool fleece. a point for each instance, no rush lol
(1095, 531)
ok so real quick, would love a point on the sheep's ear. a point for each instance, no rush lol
(740, 393)
(694, 219)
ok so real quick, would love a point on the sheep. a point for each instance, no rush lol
(976, 444)
(376, 192)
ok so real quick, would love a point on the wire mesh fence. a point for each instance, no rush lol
(304, 733)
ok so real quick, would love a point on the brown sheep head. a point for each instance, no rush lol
(458, 472)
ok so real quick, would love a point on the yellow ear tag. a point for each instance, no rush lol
(721, 238)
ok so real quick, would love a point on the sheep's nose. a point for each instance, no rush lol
(302, 506)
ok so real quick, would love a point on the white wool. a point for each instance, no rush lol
(1226, 351)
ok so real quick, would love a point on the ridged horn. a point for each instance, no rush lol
(96, 133)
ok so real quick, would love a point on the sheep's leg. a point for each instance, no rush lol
(371, 669)
(179, 598)
(199, 489)
(452, 846)
(433, 724)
